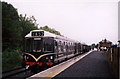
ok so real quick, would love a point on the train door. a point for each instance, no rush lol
(49, 51)
(56, 49)
(75, 48)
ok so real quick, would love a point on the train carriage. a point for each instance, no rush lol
(44, 49)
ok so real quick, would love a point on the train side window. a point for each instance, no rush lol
(56, 44)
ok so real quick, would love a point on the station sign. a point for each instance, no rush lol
(38, 33)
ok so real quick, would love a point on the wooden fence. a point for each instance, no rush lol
(113, 55)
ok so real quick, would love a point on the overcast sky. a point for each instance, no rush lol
(82, 20)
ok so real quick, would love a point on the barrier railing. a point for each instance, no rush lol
(113, 60)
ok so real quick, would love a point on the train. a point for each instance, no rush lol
(44, 49)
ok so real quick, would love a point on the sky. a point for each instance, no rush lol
(88, 21)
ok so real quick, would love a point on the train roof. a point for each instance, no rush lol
(48, 34)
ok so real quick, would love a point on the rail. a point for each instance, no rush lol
(9, 73)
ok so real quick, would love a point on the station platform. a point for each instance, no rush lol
(92, 66)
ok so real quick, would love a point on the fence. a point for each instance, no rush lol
(113, 55)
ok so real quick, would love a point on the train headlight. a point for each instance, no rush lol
(46, 58)
(27, 57)
(51, 57)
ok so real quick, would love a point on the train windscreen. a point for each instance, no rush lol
(33, 45)
(39, 45)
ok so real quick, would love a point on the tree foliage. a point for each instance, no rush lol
(46, 28)
(96, 46)
(14, 29)
(11, 31)
(27, 24)
(93, 46)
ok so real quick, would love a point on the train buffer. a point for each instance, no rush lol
(86, 66)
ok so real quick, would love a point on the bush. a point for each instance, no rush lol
(11, 59)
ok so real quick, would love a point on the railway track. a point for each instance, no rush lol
(9, 73)
(19, 72)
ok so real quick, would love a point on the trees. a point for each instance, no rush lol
(46, 28)
(14, 28)
(11, 36)
(96, 46)
(11, 31)
(93, 46)
(27, 24)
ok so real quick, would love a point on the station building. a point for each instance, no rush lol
(104, 44)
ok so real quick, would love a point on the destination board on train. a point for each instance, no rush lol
(38, 33)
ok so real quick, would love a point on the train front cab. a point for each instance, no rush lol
(39, 52)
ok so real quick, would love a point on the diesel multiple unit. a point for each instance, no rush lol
(44, 49)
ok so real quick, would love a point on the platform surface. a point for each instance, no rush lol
(53, 71)
(92, 66)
